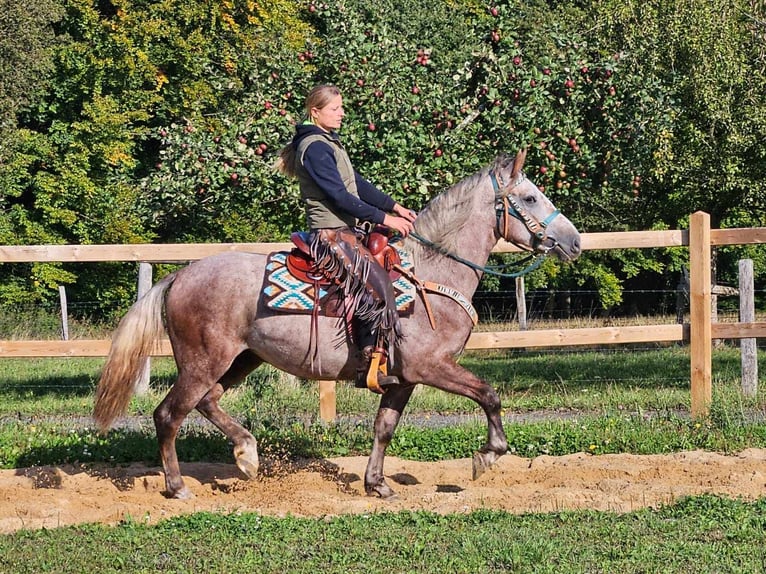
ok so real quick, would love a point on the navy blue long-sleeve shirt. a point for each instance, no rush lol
(319, 161)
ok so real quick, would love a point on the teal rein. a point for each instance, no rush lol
(491, 269)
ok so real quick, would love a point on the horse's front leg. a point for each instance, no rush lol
(392, 404)
(451, 377)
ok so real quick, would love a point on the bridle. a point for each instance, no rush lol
(505, 206)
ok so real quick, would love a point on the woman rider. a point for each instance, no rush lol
(341, 206)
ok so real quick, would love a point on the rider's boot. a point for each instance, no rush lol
(373, 371)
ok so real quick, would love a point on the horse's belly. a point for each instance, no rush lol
(285, 341)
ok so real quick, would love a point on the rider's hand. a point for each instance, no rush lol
(402, 225)
(405, 213)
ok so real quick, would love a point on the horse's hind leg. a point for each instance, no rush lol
(183, 396)
(390, 411)
(245, 446)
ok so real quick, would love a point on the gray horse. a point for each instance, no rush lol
(220, 328)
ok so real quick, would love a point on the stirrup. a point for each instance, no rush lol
(378, 379)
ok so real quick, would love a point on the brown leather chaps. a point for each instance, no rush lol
(341, 256)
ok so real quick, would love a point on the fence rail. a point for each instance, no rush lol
(699, 332)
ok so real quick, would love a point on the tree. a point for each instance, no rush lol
(26, 41)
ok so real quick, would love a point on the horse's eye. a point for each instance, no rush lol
(530, 199)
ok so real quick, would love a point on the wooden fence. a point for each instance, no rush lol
(699, 332)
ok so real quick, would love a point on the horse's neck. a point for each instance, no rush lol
(445, 270)
(468, 233)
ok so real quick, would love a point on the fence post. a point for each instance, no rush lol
(144, 284)
(64, 313)
(327, 405)
(700, 314)
(748, 350)
(521, 303)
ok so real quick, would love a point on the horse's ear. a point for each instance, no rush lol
(518, 163)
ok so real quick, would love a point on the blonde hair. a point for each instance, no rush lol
(318, 97)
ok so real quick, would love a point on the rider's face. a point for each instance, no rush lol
(330, 116)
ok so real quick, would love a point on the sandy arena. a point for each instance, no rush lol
(49, 497)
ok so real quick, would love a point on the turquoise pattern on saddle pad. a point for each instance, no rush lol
(284, 292)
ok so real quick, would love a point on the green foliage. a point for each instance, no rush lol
(216, 183)
(26, 40)
(159, 120)
(708, 155)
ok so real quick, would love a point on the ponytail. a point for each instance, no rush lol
(285, 163)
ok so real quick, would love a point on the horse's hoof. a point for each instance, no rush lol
(247, 467)
(182, 494)
(481, 464)
(247, 460)
(383, 491)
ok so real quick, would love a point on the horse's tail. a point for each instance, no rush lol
(133, 341)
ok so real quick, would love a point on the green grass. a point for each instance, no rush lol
(623, 379)
(697, 535)
(632, 400)
(598, 402)
(45, 442)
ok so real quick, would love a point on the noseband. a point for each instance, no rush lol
(506, 205)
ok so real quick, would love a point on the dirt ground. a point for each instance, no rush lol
(49, 497)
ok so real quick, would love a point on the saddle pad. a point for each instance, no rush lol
(284, 292)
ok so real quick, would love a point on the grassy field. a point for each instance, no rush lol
(628, 400)
(696, 536)
(599, 401)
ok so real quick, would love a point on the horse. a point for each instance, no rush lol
(220, 328)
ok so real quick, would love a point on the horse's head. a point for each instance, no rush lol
(525, 217)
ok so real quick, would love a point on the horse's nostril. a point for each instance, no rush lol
(576, 246)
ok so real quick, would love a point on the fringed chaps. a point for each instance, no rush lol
(340, 255)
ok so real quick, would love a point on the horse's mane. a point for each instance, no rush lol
(445, 216)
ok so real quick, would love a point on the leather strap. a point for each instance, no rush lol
(424, 286)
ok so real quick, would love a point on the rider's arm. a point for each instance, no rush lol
(372, 195)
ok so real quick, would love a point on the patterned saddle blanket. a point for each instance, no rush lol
(284, 292)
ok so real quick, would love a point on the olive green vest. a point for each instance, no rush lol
(320, 212)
